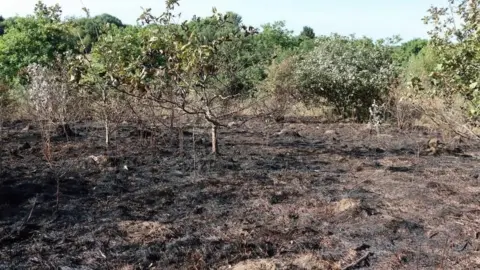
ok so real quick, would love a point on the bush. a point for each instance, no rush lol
(422, 64)
(347, 73)
(455, 34)
(34, 39)
(281, 85)
(416, 74)
(409, 49)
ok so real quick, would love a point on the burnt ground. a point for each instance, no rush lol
(332, 196)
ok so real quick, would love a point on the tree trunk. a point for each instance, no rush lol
(105, 118)
(180, 140)
(214, 139)
(172, 117)
(107, 132)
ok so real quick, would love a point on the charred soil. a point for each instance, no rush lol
(313, 196)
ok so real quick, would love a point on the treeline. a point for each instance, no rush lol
(204, 65)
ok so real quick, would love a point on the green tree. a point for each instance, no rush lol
(454, 37)
(107, 18)
(237, 59)
(113, 68)
(7, 22)
(307, 33)
(193, 67)
(273, 42)
(34, 39)
(117, 56)
(346, 72)
(242, 61)
(421, 66)
(234, 18)
(276, 36)
(174, 65)
(2, 27)
(409, 49)
(89, 29)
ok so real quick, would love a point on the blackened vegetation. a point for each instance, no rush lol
(294, 199)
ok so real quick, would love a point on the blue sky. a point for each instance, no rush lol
(372, 18)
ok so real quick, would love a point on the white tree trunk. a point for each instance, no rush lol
(214, 139)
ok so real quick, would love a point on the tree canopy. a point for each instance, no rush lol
(2, 30)
(229, 58)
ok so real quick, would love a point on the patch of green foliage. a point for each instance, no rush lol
(34, 39)
(2, 26)
(348, 73)
(409, 49)
(219, 55)
(454, 37)
(90, 29)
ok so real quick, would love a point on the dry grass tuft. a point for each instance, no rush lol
(144, 232)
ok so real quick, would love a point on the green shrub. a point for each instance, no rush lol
(34, 39)
(347, 73)
(454, 36)
(280, 86)
(407, 50)
(416, 74)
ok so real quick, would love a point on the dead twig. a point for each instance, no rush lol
(31, 210)
(363, 259)
(467, 243)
